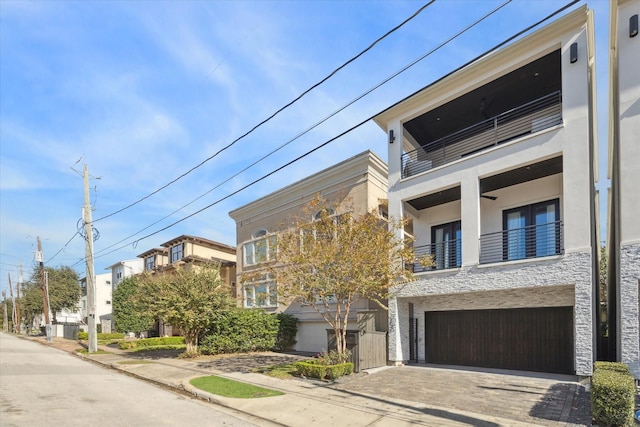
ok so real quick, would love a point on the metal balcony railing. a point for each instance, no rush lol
(444, 255)
(533, 241)
(531, 117)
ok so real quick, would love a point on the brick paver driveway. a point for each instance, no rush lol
(525, 397)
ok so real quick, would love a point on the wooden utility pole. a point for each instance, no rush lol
(13, 306)
(91, 290)
(5, 319)
(18, 318)
(45, 300)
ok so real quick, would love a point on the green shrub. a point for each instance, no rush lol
(315, 369)
(287, 330)
(153, 343)
(102, 337)
(110, 337)
(240, 331)
(612, 394)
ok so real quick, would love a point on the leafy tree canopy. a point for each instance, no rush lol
(64, 291)
(336, 260)
(188, 299)
(126, 316)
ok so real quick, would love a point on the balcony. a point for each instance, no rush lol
(534, 241)
(445, 255)
(528, 118)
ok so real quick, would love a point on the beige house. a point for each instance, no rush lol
(358, 184)
(623, 242)
(190, 252)
(494, 166)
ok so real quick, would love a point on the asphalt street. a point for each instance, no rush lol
(43, 386)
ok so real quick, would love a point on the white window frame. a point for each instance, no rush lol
(266, 299)
(259, 250)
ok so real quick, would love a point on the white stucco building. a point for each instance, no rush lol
(493, 165)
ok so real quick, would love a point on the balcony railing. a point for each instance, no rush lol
(444, 255)
(533, 241)
(531, 117)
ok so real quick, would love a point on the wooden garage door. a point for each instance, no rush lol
(531, 339)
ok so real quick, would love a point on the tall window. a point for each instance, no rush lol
(176, 252)
(532, 231)
(261, 249)
(260, 293)
(446, 245)
(150, 263)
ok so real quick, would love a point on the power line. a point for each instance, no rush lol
(499, 45)
(272, 115)
(386, 80)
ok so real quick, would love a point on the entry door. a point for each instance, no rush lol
(447, 245)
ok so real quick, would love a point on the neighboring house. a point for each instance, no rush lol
(190, 252)
(123, 269)
(103, 292)
(358, 184)
(624, 198)
(493, 166)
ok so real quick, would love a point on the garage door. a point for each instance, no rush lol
(530, 339)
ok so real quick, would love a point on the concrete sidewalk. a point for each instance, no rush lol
(304, 403)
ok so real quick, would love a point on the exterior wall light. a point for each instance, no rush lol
(633, 26)
(392, 137)
(573, 53)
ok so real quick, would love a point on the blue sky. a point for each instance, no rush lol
(141, 92)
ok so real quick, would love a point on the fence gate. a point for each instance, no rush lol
(413, 339)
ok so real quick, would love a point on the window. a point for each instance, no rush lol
(150, 263)
(176, 253)
(108, 302)
(446, 245)
(532, 231)
(260, 293)
(262, 249)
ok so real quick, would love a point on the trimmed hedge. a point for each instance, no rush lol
(240, 331)
(105, 337)
(314, 369)
(153, 343)
(612, 394)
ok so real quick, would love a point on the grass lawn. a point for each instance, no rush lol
(230, 388)
(283, 371)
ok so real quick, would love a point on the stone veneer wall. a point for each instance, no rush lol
(629, 329)
(559, 281)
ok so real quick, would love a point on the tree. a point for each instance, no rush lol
(64, 289)
(336, 260)
(187, 299)
(64, 292)
(126, 316)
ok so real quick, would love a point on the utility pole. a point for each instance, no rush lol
(5, 319)
(45, 293)
(91, 290)
(18, 318)
(13, 306)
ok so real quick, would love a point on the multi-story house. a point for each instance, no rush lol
(358, 184)
(123, 269)
(103, 308)
(624, 198)
(190, 252)
(493, 166)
